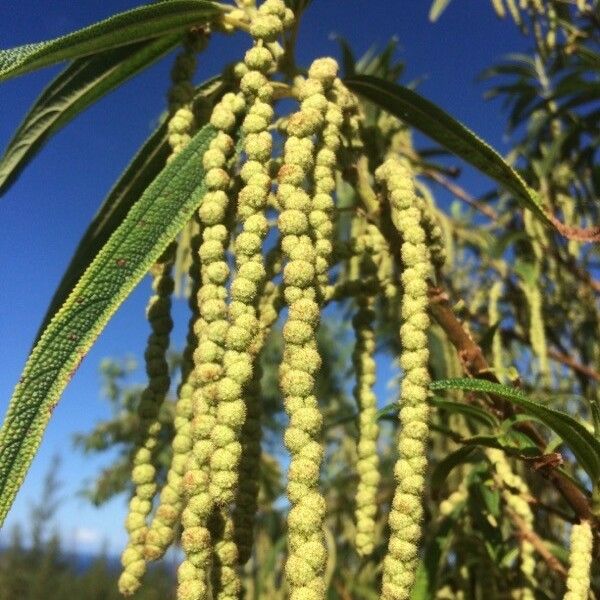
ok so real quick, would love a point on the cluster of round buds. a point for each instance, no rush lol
(163, 528)
(225, 582)
(144, 471)
(181, 95)
(580, 556)
(161, 531)
(368, 459)
(246, 502)
(299, 221)
(514, 492)
(210, 329)
(324, 182)
(435, 235)
(242, 336)
(406, 512)
(456, 499)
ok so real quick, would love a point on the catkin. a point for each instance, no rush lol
(246, 501)
(365, 372)
(249, 279)
(301, 221)
(181, 94)
(219, 406)
(368, 460)
(144, 471)
(407, 511)
(537, 332)
(494, 318)
(580, 557)
(211, 329)
(515, 501)
(163, 528)
(180, 127)
(224, 577)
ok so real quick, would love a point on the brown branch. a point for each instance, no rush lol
(570, 362)
(578, 234)
(527, 533)
(476, 365)
(462, 194)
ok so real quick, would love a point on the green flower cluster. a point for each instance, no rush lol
(514, 492)
(578, 580)
(249, 280)
(368, 459)
(144, 471)
(305, 224)
(210, 329)
(180, 128)
(494, 318)
(406, 512)
(181, 94)
(363, 267)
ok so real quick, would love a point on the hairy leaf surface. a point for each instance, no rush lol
(137, 176)
(151, 224)
(81, 84)
(122, 29)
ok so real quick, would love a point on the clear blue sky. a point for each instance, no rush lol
(44, 214)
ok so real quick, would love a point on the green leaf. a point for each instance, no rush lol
(450, 133)
(81, 84)
(122, 29)
(437, 8)
(584, 445)
(467, 410)
(138, 175)
(151, 224)
(444, 467)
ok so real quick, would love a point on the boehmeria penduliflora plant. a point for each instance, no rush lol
(284, 222)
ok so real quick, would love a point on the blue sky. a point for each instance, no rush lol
(45, 213)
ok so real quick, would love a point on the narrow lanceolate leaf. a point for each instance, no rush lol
(584, 445)
(151, 224)
(142, 23)
(81, 84)
(447, 131)
(138, 175)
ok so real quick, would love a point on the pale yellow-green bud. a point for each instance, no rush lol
(406, 512)
(580, 557)
(144, 472)
(368, 461)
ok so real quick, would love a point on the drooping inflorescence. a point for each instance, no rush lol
(293, 234)
(180, 128)
(494, 319)
(144, 469)
(580, 557)
(303, 222)
(407, 511)
(363, 360)
(210, 329)
(514, 492)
